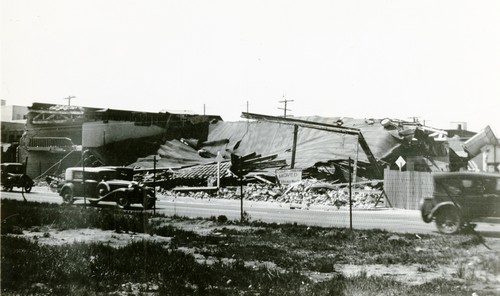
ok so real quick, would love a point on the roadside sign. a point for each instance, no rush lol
(400, 162)
(286, 177)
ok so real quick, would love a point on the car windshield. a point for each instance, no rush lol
(451, 186)
(492, 186)
(14, 169)
(125, 174)
(467, 186)
(107, 175)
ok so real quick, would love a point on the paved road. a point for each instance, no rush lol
(381, 218)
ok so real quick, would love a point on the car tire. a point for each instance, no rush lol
(27, 183)
(448, 221)
(67, 195)
(122, 200)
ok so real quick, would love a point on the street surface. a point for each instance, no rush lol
(395, 220)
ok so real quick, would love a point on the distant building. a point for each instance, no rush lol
(56, 135)
(13, 113)
(482, 148)
(12, 124)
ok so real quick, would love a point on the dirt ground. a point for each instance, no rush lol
(415, 274)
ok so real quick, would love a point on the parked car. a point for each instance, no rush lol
(460, 198)
(105, 184)
(12, 175)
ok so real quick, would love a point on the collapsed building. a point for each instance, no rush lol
(322, 147)
(188, 146)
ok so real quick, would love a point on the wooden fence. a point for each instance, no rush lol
(405, 189)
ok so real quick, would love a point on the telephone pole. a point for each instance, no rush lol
(285, 101)
(69, 99)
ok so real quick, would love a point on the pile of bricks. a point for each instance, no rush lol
(300, 195)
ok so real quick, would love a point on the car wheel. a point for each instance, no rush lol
(448, 221)
(122, 200)
(67, 196)
(27, 183)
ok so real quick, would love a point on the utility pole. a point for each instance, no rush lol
(286, 103)
(69, 99)
(248, 120)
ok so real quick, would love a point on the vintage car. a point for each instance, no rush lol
(105, 184)
(460, 198)
(12, 175)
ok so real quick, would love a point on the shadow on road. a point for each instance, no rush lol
(110, 206)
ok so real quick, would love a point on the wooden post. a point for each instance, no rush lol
(294, 147)
(241, 200)
(154, 184)
(83, 179)
(350, 195)
(355, 170)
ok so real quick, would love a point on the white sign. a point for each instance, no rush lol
(286, 177)
(400, 162)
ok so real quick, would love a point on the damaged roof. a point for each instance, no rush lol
(384, 137)
(313, 145)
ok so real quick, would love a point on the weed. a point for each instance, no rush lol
(424, 268)
(222, 219)
(325, 265)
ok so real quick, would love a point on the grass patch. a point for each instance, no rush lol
(65, 270)
(160, 268)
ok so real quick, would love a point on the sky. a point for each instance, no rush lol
(437, 61)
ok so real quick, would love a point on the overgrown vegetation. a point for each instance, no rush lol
(29, 267)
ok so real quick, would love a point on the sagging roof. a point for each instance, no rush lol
(384, 138)
(313, 145)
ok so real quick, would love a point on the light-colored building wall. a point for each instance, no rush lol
(13, 113)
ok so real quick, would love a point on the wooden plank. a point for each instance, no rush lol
(194, 189)
(259, 159)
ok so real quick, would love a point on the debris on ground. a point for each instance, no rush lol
(302, 193)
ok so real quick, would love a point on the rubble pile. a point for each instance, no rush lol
(301, 194)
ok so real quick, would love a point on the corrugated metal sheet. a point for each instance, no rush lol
(202, 171)
(312, 145)
(267, 138)
(174, 154)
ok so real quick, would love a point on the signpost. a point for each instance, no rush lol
(287, 177)
(400, 162)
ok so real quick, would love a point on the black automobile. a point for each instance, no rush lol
(13, 175)
(105, 184)
(460, 198)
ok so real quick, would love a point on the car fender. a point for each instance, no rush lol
(66, 186)
(122, 189)
(105, 185)
(442, 205)
(25, 180)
